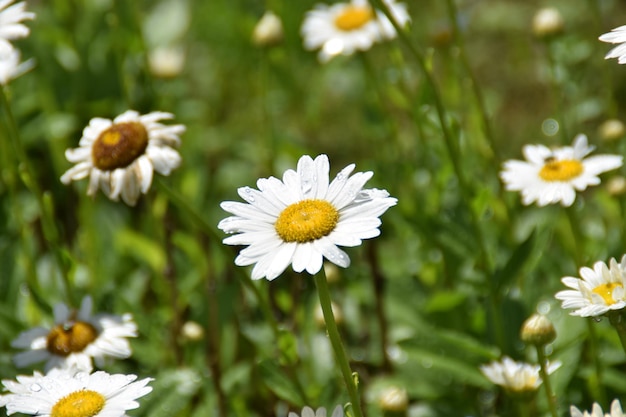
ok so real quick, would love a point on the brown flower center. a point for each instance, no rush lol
(66, 339)
(119, 145)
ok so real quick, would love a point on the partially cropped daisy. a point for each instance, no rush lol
(343, 28)
(65, 393)
(596, 411)
(516, 377)
(549, 176)
(302, 219)
(320, 412)
(76, 338)
(600, 290)
(11, 26)
(617, 35)
(10, 65)
(119, 156)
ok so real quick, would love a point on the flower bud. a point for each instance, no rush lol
(616, 186)
(547, 22)
(394, 401)
(192, 331)
(319, 314)
(268, 31)
(611, 130)
(538, 330)
(166, 62)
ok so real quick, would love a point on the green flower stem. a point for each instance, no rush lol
(617, 321)
(594, 381)
(44, 200)
(543, 372)
(478, 94)
(335, 341)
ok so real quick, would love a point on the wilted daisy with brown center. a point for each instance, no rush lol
(67, 393)
(303, 218)
(517, 378)
(551, 176)
(343, 28)
(120, 156)
(76, 338)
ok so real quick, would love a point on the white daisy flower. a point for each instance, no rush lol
(596, 411)
(549, 176)
(10, 65)
(76, 338)
(302, 219)
(600, 290)
(320, 412)
(617, 35)
(11, 27)
(64, 392)
(120, 156)
(516, 377)
(343, 28)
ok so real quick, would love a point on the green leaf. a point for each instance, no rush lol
(277, 382)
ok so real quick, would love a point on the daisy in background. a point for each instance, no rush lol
(64, 392)
(11, 27)
(76, 338)
(320, 412)
(119, 156)
(617, 35)
(516, 377)
(596, 411)
(303, 218)
(10, 65)
(343, 28)
(600, 290)
(549, 176)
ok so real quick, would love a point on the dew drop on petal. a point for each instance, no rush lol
(35, 387)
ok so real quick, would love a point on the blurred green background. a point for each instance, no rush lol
(459, 264)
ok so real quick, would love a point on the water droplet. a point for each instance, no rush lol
(250, 194)
(35, 387)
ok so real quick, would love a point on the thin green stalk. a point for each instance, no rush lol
(341, 357)
(44, 199)
(478, 94)
(543, 371)
(595, 381)
(617, 321)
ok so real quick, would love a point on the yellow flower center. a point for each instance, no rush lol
(306, 221)
(119, 146)
(606, 292)
(83, 403)
(354, 17)
(66, 339)
(564, 170)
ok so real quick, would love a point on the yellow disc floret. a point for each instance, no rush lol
(561, 170)
(119, 145)
(83, 403)
(306, 221)
(354, 17)
(66, 339)
(606, 292)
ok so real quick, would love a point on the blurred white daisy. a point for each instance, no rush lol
(516, 377)
(617, 35)
(64, 392)
(11, 27)
(120, 156)
(320, 412)
(76, 338)
(343, 28)
(596, 411)
(600, 290)
(10, 65)
(302, 219)
(549, 176)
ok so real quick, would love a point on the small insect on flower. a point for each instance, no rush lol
(550, 176)
(120, 155)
